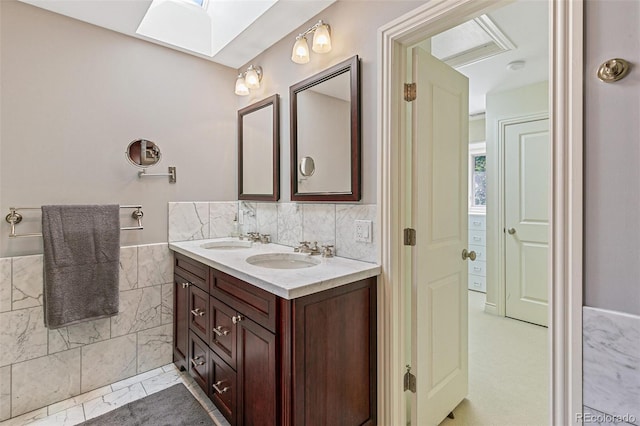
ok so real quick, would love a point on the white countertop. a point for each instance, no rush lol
(287, 283)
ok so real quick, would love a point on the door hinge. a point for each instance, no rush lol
(409, 237)
(409, 380)
(410, 92)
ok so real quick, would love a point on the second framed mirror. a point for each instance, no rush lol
(259, 151)
(325, 135)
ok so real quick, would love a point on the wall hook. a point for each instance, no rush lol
(613, 70)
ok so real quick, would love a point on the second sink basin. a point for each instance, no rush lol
(227, 245)
(283, 260)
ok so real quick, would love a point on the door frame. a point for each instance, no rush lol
(566, 235)
(497, 259)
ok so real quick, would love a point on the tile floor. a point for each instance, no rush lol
(99, 401)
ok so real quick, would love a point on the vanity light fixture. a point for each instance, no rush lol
(250, 79)
(321, 42)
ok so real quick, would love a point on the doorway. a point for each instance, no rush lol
(565, 275)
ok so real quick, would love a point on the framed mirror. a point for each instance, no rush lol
(259, 151)
(325, 135)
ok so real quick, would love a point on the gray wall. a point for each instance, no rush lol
(354, 26)
(73, 97)
(612, 158)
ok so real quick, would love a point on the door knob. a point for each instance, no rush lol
(511, 231)
(468, 255)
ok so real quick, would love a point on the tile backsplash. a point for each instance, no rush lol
(40, 366)
(287, 223)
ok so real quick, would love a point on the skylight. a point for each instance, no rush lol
(200, 26)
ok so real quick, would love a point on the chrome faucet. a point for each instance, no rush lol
(304, 248)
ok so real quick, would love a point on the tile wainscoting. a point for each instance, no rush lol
(287, 223)
(39, 367)
(611, 366)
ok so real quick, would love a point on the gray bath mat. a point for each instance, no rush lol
(169, 407)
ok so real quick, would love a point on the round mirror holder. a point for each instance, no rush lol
(143, 153)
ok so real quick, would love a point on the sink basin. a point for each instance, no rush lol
(227, 245)
(283, 260)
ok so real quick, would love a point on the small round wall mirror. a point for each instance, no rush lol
(307, 166)
(143, 153)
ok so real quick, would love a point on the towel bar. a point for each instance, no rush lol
(14, 218)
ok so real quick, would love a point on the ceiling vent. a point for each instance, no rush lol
(473, 41)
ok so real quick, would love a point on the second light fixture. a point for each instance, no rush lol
(321, 42)
(250, 79)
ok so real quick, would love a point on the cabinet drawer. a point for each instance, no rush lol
(478, 268)
(195, 272)
(199, 361)
(199, 312)
(478, 238)
(223, 387)
(251, 301)
(222, 339)
(477, 283)
(477, 222)
(481, 252)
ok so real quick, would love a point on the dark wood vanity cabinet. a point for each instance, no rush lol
(265, 360)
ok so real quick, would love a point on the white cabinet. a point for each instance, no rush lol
(477, 243)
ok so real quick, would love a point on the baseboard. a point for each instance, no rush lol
(491, 308)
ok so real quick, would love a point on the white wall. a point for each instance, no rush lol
(612, 159)
(73, 97)
(354, 26)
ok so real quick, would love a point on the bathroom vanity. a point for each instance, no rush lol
(274, 346)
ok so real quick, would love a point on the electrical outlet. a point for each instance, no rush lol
(364, 230)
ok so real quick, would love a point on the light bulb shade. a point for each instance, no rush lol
(241, 87)
(300, 54)
(253, 77)
(322, 39)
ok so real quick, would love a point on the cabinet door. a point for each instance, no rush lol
(223, 331)
(199, 312)
(257, 385)
(180, 321)
(223, 388)
(199, 361)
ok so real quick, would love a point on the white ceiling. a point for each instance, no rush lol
(243, 38)
(525, 23)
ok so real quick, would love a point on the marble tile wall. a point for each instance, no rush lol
(287, 223)
(611, 365)
(39, 367)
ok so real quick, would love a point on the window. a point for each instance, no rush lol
(477, 178)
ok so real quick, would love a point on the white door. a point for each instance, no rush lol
(439, 210)
(526, 148)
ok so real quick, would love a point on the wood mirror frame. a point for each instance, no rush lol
(352, 66)
(274, 195)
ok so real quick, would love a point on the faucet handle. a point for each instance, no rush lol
(304, 243)
(327, 250)
(265, 238)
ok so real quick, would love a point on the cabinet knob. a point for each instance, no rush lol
(220, 331)
(197, 312)
(511, 231)
(217, 385)
(237, 319)
(185, 285)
